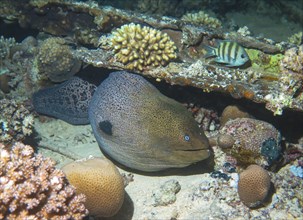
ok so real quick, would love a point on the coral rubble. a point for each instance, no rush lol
(16, 121)
(32, 188)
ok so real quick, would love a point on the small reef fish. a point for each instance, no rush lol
(230, 53)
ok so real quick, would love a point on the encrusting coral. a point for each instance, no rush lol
(255, 141)
(138, 47)
(253, 186)
(100, 181)
(55, 60)
(292, 61)
(202, 18)
(16, 122)
(32, 188)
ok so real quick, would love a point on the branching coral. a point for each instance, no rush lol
(55, 60)
(140, 47)
(292, 61)
(201, 18)
(32, 188)
(5, 45)
(16, 122)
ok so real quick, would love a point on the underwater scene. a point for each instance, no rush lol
(151, 109)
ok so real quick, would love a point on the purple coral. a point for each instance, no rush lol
(255, 141)
(32, 188)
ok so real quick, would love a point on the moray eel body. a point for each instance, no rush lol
(141, 128)
(67, 101)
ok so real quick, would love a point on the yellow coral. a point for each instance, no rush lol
(100, 181)
(202, 18)
(140, 47)
(253, 186)
(296, 38)
(32, 188)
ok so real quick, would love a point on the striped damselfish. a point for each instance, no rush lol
(228, 52)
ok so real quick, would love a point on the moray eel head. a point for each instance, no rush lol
(176, 137)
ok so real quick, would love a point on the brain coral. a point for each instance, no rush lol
(140, 47)
(253, 186)
(16, 122)
(32, 188)
(100, 181)
(55, 60)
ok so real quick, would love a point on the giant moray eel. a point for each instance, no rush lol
(138, 126)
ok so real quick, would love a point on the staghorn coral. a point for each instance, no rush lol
(5, 45)
(139, 47)
(55, 60)
(253, 186)
(202, 18)
(32, 188)
(292, 61)
(100, 181)
(16, 122)
(256, 142)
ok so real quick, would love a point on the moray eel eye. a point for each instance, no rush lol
(186, 137)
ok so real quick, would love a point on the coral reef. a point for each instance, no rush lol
(256, 142)
(292, 61)
(202, 18)
(140, 47)
(32, 188)
(55, 60)
(18, 74)
(16, 122)
(253, 185)
(167, 193)
(100, 181)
